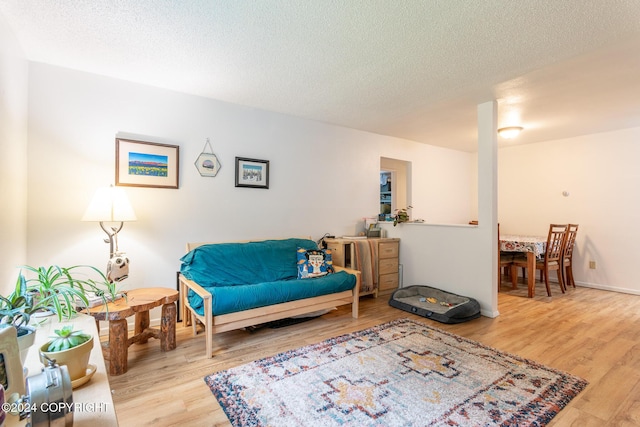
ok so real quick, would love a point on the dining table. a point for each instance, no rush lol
(533, 246)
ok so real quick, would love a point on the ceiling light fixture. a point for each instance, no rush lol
(509, 132)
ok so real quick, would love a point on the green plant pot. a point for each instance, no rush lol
(76, 359)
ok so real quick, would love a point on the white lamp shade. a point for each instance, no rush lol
(109, 204)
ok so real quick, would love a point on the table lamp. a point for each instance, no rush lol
(110, 204)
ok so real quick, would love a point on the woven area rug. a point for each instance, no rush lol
(401, 373)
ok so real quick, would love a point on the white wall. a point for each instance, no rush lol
(323, 178)
(13, 160)
(601, 173)
(440, 180)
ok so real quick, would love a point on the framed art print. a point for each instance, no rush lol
(207, 163)
(252, 173)
(146, 164)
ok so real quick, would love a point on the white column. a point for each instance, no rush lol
(488, 188)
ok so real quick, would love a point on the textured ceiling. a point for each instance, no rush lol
(411, 69)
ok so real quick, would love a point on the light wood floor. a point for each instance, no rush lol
(589, 333)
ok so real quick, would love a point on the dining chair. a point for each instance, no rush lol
(567, 257)
(504, 260)
(552, 259)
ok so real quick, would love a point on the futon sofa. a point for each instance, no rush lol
(226, 286)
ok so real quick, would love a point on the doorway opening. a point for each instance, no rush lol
(395, 185)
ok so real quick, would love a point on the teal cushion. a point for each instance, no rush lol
(230, 299)
(314, 263)
(231, 264)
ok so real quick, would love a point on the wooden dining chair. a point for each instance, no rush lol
(552, 257)
(567, 257)
(504, 260)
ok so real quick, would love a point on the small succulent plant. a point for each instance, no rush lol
(67, 338)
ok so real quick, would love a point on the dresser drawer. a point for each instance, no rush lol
(386, 266)
(388, 282)
(388, 250)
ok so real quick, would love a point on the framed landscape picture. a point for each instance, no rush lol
(252, 173)
(146, 164)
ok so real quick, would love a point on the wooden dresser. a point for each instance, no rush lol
(376, 258)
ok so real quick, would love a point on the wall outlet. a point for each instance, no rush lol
(592, 265)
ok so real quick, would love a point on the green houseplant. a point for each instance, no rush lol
(53, 289)
(66, 338)
(401, 215)
(60, 290)
(15, 311)
(17, 307)
(70, 348)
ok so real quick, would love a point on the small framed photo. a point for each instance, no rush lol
(207, 164)
(252, 173)
(146, 164)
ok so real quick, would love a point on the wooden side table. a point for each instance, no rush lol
(138, 302)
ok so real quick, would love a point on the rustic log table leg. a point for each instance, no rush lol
(142, 323)
(168, 327)
(118, 346)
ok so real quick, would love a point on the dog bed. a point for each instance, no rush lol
(435, 304)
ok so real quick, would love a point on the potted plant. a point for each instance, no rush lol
(70, 348)
(15, 311)
(54, 289)
(60, 290)
(401, 215)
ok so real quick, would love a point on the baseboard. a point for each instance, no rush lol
(599, 286)
(608, 288)
(490, 314)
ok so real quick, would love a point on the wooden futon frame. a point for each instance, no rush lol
(242, 319)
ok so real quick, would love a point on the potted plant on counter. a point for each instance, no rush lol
(401, 215)
(70, 348)
(53, 290)
(60, 290)
(15, 311)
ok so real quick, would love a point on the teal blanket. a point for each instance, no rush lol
(242, 276)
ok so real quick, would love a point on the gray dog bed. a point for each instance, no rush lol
(435, 304)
